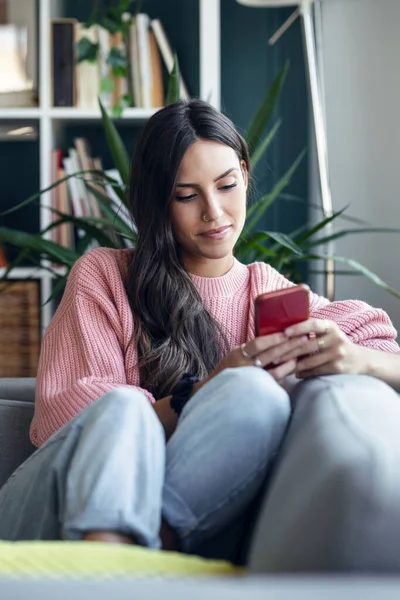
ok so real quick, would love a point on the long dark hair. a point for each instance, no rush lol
(174, 333)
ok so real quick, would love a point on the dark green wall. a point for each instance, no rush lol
(249, 66)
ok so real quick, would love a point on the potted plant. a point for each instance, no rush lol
(285, 252)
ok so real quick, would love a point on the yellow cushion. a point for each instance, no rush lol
(69, 559)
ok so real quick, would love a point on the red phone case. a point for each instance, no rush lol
(275, 311)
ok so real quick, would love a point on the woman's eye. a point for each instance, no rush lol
(228, 187)
(185, 198)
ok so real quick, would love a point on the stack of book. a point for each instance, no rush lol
(80, 84)
(74, 197)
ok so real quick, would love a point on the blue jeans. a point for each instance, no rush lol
(110, 468)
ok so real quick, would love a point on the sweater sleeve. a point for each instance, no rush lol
(363, 324)
(82, 355)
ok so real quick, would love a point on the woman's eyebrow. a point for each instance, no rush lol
(183, 185)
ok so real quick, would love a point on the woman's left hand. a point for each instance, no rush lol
(328, 351)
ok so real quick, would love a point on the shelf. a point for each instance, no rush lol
(20, 113)
(81, 114)
(31, 273)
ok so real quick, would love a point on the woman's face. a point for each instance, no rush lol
(211, 185)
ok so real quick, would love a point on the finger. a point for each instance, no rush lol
(325, 369)
(315, 361)
(310, 347)
(283, 370)
(259, 344)
(274, 355)
(317, 326)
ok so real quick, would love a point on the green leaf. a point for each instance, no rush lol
(91, 225)
(265, 110)
(109, 181)
(127, 100)
(259, 207)
(86, 50)
(259, 151)
(58, 288)
(106, 85)
(37, 195)
(345, 232)
(284, 240)
(111, 23)
(117, 111)
(360, 268)
(115, 221)
(22, 255)
(305, 236)
(117, 61)
(37, 244)
(116, 145)
(173, 90)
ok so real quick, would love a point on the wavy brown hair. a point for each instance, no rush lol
(174, 333)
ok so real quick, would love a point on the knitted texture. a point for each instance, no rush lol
(86, 349)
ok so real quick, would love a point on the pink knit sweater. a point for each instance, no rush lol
(83, 352)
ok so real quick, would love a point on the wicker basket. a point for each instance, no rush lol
(19, 328)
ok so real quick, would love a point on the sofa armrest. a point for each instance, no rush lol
(18, 388)
(15, 445)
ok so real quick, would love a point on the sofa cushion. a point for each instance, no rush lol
(18, 388)
(15, 445)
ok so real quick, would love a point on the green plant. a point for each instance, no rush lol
(285, 252)
(116, 18)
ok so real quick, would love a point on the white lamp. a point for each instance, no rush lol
(304, 10)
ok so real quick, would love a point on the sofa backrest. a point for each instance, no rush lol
(17, 398)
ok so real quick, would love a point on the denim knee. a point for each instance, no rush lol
(121, 406)
(256, 403)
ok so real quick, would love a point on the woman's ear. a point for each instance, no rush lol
(245, 173)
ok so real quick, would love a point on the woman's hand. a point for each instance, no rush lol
(328, 351)
(262, 351)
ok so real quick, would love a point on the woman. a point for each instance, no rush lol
(155, 424)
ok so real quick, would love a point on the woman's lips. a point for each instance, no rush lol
(217, 234)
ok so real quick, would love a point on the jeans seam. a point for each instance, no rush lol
(200, 520)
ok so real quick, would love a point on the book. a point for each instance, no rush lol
(121, 87)
(119, 207)
(3, 260)
(56, 161)
(63, 62)
(157, 85)
(167, 53)
(76, 167)
(104, 68)
(133, 47)
(143, 22)
(65, 235)
(87, 73)
(77, 202)
(85, 159)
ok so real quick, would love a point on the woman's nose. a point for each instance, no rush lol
(213, 209)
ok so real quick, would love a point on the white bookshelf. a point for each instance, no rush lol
(49, 118)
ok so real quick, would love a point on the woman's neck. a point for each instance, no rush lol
(206, 267)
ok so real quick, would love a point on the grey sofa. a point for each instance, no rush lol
(16, 410)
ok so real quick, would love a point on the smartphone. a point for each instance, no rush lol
(275, 311)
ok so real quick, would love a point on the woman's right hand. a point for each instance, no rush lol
(262, 351)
